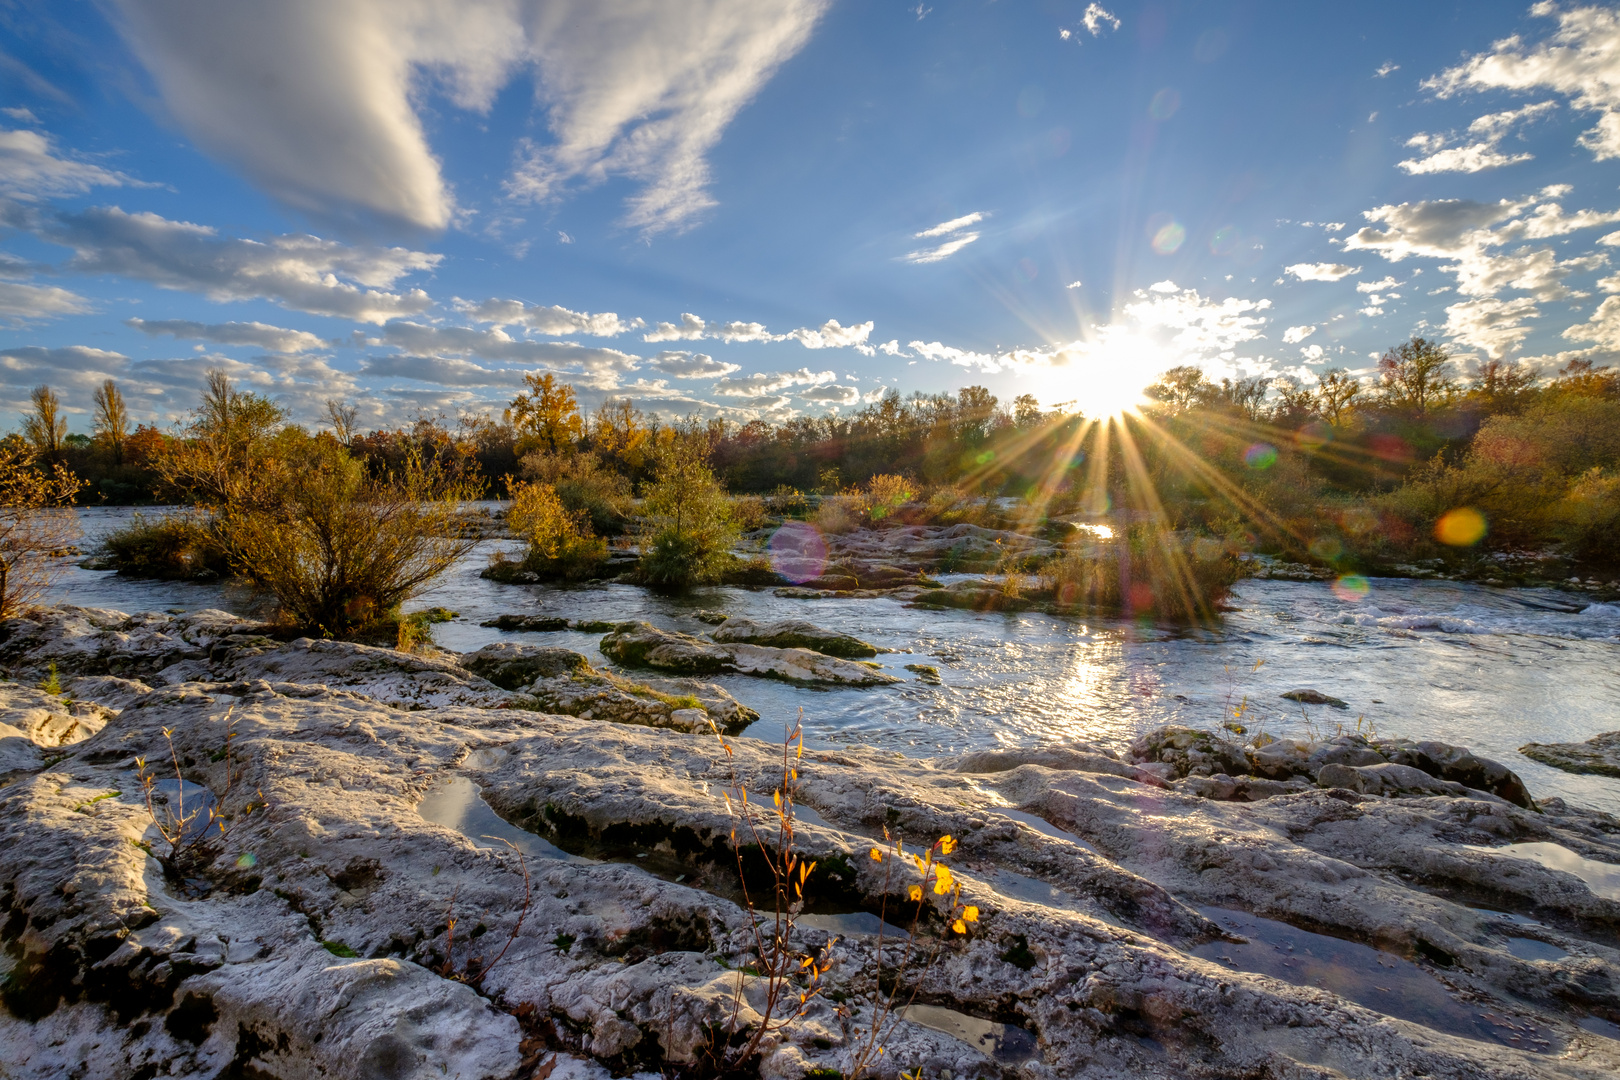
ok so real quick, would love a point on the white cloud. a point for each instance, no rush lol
(21, 302)
(317, 103)
(1477, 156)
(1074, 285)
(1311, 353)
(892, 348)
(943, 251)
(832, 335)
(1096, 17)
(685, 365)
(30, 169)
(1386, 68)
(419, 340)
(644, 90)
(945, 228)
(1296, 334)
(1383, 284)
(1603, 327)
(258, 334)
(297, 271)
(743, 331)
(19, 113)
(691, 328)
(831, 394)
(771, 382)
(1493, 325)
(547, 320)
(1581, 60)
(1321, 271)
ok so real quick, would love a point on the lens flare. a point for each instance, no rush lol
(1169, 238)
(1260, 455)
(1165, 103)
(797, 551)
(1462, 527)
(1351, 587)
(1225, 241)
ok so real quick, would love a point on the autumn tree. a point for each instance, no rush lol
(45, 427)
(687, 530)
(36, 523)
(225, 457)
(1181, 388)
(112, 419)
(344, 419)
(546, 415)
(1416, 376)
(1336, 394)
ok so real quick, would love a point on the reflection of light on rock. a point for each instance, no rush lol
(1461, 527)
(797, 551)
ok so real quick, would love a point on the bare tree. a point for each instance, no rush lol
(46, 427)
(344, 419)
(112, 419)
(1416, 375)
(36, 523)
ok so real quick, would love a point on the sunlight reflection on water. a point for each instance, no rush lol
(1488, 668)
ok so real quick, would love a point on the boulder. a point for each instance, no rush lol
(1599, 755)
(640, 644)
(1458, 764)
(1188, 752)
(526, 623)
(1351, 750)
(512, 667)
(1314, 697)
(1387, 779)
(791, 634)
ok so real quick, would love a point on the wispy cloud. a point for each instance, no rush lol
(31, 168)
(1581, 60)
(1321, 271)
(258, 334)
(1483, 153)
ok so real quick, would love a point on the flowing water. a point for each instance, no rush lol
(1484, 667)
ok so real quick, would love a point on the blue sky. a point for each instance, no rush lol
(766, 208)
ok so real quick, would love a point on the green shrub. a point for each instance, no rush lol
(176, 546)
(584, 484)
(687, 530)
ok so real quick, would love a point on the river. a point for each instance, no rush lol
(1489, 668)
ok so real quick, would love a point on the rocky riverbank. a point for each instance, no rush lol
(1191, 906)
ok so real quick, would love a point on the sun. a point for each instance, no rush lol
(1106, 378)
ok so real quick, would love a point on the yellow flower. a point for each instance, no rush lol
(877, 856)
(942, 880)
(947, 844)
(916, 892)
(970, 913)
(959, 926)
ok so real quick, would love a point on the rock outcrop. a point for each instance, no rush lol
(640, 644)
(309, 935)
(1599, 755)
(791, 634)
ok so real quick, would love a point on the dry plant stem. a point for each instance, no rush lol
(778, 961)
(470, 975)
(175, 824)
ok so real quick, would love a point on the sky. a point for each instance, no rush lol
(777, 208)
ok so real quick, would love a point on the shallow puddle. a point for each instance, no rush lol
(457, 804)
(1377, 980)
(1042, 826)
(1531, 949)
(1006, 1043)
(1601, 877)
(854, 924)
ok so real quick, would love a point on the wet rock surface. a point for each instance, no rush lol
(1599, 755)
(640, 644)
(1129, 925)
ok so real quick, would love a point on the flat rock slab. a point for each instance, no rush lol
(640, 644)
(791, 634)
(1598, 756)
(309, 939)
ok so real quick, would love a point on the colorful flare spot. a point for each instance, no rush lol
(247, 860)
(1225, 241)
(1164, 104)
(1351, 587)
(1462, 527)
(1260, 455)
(1169, 238)
(1313, 436)
(986, 458)
(797, 551)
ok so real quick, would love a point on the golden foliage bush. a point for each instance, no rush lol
(37, 523)
(561, 544)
